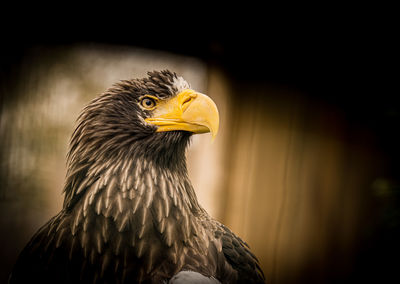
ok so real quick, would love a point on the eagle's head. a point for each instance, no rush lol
(148, 119)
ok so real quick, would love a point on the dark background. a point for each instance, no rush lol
(344, 57)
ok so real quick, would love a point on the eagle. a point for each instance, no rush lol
(130, 213)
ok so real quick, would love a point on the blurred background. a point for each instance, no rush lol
(305, 167)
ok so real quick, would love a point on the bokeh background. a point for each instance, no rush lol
(305, 167)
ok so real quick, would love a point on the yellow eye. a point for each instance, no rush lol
(148, 102)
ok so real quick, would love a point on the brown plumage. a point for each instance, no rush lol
(130, 213)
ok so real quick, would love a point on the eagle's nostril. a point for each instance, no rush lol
(186, 101)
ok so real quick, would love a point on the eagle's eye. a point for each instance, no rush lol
(148, 102)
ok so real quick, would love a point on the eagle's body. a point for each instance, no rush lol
(130, 213)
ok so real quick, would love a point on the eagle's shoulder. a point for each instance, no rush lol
(34, 262)
(237, 253)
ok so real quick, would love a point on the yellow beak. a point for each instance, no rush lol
(188, 111)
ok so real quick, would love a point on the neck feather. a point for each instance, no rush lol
(134, 187)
